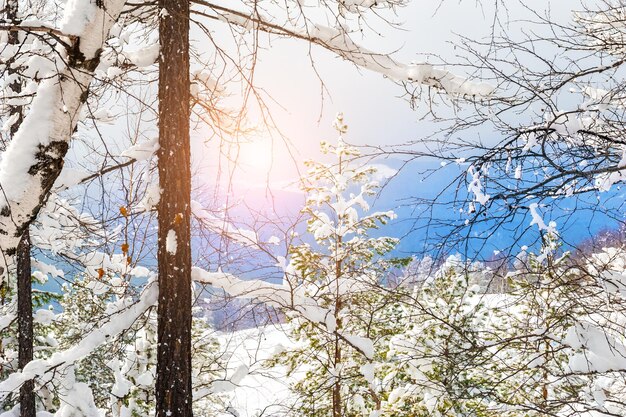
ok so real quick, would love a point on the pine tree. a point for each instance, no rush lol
(434, 358)
(344, 271)
(173, 381)
(122, 373)
(530, 370)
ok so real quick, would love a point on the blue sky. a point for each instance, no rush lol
(377, 115)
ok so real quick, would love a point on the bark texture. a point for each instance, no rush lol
(25, 323)
(24, 272)
(173, 383)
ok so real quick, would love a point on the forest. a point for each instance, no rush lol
(317, 208)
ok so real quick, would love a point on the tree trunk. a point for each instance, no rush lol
(24, 273)
(338, 307)
(25, 323)
(173, 384)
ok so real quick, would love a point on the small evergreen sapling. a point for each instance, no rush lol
(344, 271)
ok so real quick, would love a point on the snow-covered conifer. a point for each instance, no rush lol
(344, 270)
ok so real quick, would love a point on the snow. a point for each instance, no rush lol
(146, 379)
(10, 122)
(603, 352)
(44, 316)
(52, 117)
(171, 243)
(475, 186)
(145, 56)
(223, 226)
(422, 73)
(340, 42)
(69, 177)
(538, 220)
(15, 412)
(47, 269)
(367, 371)
(382, 172)
(355, 6)
(151, 197)
(142, 151)
(363, 344)
(567, 124)
(122, 315)
(252, 389)
(48, 121)
(122, 386)
(231, 383)
(78, 14)
(605, 181)
(331, 322)
(282, 295)
(140, 271)
(9, 316)
(113, 72)
(76, 398)
(20, 153)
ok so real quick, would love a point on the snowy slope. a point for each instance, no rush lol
(261, 391)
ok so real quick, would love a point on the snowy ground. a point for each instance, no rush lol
(262, 391)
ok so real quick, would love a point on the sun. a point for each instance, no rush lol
(255, 157)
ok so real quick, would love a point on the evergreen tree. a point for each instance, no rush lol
(122, 372)
(344, 271)
(530, 369)
(433, 359)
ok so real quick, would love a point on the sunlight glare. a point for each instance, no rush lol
(255, 157)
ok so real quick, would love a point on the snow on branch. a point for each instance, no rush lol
(124, 313)
(340, 42)
(34, 158)
(281, 296)
(9, 316)
(221, 225)
(121, 319)
(602, 352)
(278, 295)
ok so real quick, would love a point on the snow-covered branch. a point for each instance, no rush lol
(34, 158)
(119, 321)
(340, 42)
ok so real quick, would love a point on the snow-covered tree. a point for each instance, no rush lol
(121, 373)
(77, 57)
(549, 141)
(529, 370)
(434, 360)
(343, 271)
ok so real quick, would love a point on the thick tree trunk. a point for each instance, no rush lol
(173, 384)
(25, 323)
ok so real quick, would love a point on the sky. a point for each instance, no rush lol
(264, 184)
(373, 106)
(264, 180)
